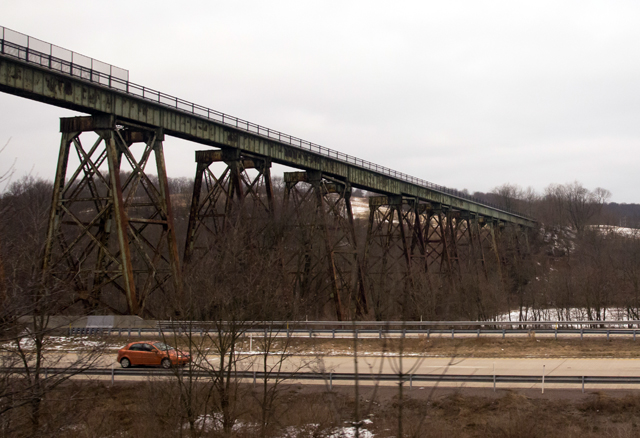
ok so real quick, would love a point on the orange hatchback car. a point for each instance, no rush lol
(151, 354)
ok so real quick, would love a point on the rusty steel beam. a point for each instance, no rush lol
(42, 84)
(110, 229)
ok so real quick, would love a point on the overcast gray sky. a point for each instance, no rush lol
(467, 94)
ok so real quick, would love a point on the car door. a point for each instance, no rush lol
(134, 354)
(151, 355)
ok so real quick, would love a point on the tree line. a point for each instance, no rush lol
(574, 266)
(573, 260)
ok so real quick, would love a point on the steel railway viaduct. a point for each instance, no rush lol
(111, 223)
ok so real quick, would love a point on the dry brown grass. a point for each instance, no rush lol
(493, 347)
(148, 409)
(480, 347)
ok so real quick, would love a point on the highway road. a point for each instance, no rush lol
(414, 365)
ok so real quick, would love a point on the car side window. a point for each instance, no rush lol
(147, 347)
(135, 347)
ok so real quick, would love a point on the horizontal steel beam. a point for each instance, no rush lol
(44, 85)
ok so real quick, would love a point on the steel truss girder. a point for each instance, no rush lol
(107, 229)
(409, 232)
(332, 221)
(219, 202)
(411, 237)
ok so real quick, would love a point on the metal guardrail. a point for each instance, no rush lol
(398, 324)
(32, 50)
(348, 377)
(363, 333)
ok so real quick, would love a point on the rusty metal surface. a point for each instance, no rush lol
(111, 230)
(42, 84)
(218, 200)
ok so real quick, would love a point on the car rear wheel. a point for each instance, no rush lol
(125, 363)
(166, 363)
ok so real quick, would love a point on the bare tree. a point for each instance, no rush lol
(508, 195)
(29, 317)
(574, 205)
(5, 177)
(274, 359)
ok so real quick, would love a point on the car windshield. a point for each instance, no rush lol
(162, 346)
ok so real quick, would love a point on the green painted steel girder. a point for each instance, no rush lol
(44, 85)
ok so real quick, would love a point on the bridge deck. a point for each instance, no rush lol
(42, 77)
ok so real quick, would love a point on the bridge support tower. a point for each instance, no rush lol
(326, 240)
(110, 226)
(219, 201)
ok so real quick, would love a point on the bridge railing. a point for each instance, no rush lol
(47, 55)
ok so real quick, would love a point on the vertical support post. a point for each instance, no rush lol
(333, 273)
(56, 205)
(361, 299)
(121, 222)
(165, 205)
(494, 377)
(453, 224)
(494, 244)
(193, 212)
(479, 226)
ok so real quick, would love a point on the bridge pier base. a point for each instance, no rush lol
(110, 225)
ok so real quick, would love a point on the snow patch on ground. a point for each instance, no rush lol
(210, 423)
(622, 231)
(570, 314)
(312, 430)
(58, 343)
(349, 432)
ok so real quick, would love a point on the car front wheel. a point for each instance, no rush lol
(125, 363)
(166, 363)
